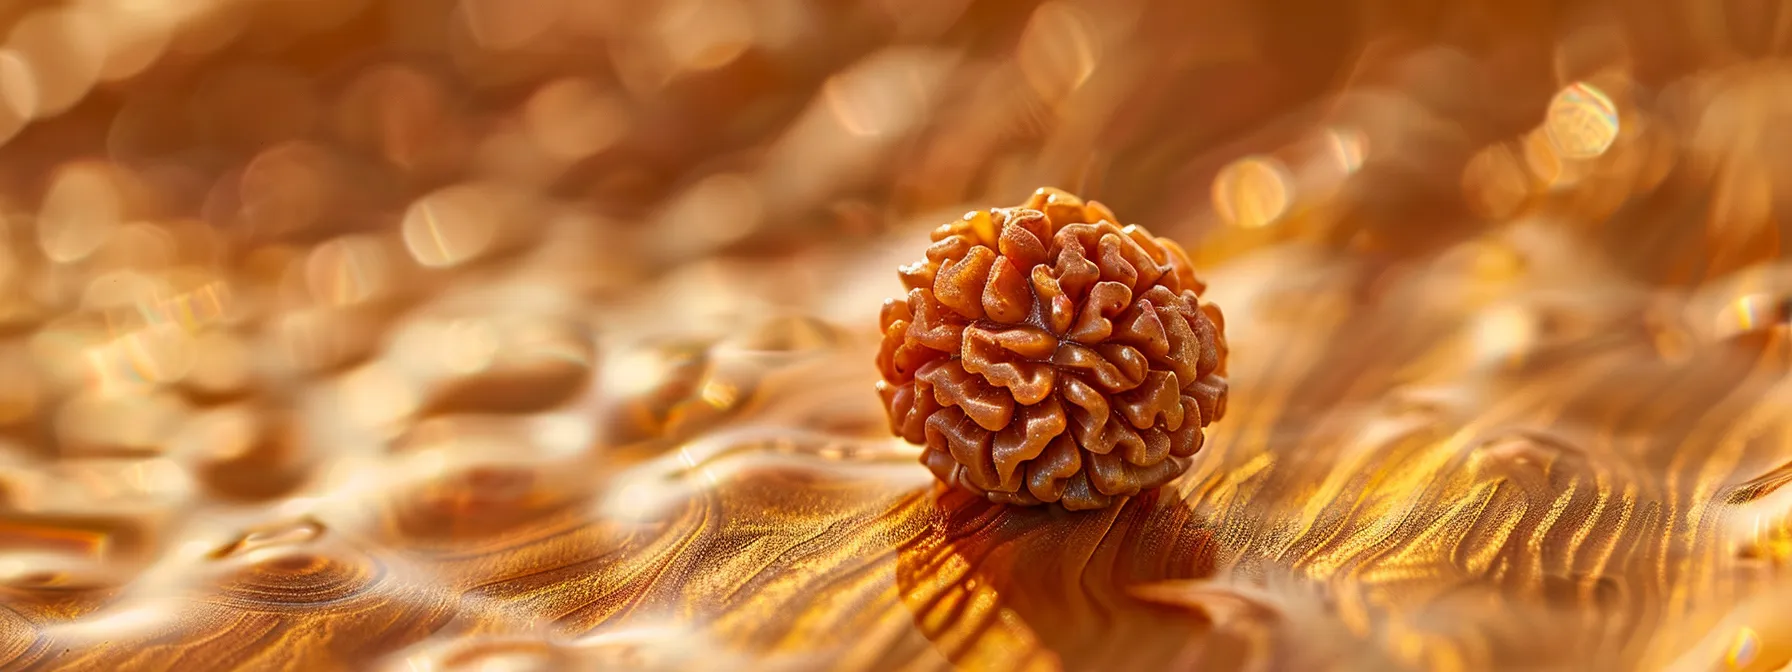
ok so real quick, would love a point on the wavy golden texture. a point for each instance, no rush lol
(1395, 490)
(1046, 354)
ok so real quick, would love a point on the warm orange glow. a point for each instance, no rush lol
(540, 334)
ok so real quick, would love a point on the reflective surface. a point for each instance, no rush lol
(539, 334)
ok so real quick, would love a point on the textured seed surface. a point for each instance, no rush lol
(1047, 354)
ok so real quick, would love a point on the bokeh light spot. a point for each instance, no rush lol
(1252, 192)
(1582, 122)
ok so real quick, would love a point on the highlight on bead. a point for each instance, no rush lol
(1047, 354)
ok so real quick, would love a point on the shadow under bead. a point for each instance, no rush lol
(1045, 353)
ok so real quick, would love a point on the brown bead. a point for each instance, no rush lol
(1045, 353)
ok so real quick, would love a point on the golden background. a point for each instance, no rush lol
(537, 334)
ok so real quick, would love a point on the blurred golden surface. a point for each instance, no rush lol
(537, 334)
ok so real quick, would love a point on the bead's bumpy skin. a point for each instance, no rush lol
(1045, 353)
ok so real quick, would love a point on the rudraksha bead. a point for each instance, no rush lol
(1045, 353)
